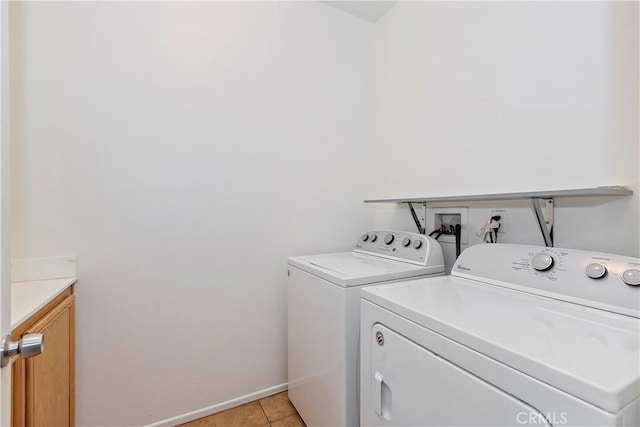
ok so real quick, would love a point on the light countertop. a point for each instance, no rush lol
(29, 297)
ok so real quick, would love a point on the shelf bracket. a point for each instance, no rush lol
(544, 218)
(421, 229)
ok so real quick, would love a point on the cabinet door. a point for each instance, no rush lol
(49, 376)
(18, 392)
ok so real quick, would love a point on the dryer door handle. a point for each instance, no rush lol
(377, 393)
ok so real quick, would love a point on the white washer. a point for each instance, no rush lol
(324, 317)
(517, 335)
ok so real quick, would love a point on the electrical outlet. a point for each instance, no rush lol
(503, 220)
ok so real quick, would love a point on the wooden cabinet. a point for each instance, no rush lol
(43, 386)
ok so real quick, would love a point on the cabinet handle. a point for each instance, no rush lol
(30, 345)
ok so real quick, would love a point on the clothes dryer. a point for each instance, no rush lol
(324, 317)
(517, 335)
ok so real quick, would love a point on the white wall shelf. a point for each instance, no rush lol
(540, 200)
(551, 194)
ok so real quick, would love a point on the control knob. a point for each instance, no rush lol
(631, 277)
(542, 262)
(374, 237)
(388, 239)
(365, 237)
(406, 242)
(596, 271)
(417, 244)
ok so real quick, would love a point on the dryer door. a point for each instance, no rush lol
(412, 386)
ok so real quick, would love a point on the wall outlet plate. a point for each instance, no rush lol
(503, 220)
(448, 216)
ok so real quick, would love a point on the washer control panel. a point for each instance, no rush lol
(398, 245)
(600, 280)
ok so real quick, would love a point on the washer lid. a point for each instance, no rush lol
(592, 354)
(352, 269)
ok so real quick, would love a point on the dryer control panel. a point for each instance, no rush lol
(400, 246)
(600, 280)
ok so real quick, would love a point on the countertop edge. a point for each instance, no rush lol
(28, 297)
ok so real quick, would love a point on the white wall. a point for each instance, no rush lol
(488, 97)
(182, 151)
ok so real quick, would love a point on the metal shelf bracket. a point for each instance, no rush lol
(421, 229)
(543, 211)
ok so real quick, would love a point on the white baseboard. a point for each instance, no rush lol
(205, 412)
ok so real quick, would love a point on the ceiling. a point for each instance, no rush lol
(368, 10)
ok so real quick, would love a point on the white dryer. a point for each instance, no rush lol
(324, 317)
(517, 335)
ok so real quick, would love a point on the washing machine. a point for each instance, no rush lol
(516, 335)
(324, 317)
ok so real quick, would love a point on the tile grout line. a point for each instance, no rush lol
(279, 419)
(264, 412)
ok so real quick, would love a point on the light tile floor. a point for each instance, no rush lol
(274, 411)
